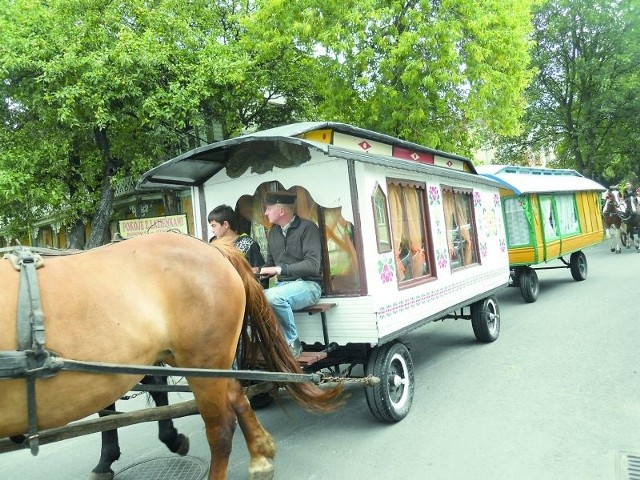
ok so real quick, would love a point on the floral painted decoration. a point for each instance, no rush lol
(477, 199)
(490, 222)
(483, 249)
(443, 258)
(386, 270)
(434, 195)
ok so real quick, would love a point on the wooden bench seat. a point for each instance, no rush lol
(309, 358)
(322, 309)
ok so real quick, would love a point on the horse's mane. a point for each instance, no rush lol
(262, 338)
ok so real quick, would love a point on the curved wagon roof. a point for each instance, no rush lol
(523, 180)
(195, 167)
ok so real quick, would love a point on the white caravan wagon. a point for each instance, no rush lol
(411, 235)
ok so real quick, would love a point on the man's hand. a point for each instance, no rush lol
(266, 272)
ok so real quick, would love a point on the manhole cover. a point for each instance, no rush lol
(629, 466)
(165, 468)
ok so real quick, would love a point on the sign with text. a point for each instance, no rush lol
(141, 226)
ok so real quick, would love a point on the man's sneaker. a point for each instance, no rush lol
(295, 347)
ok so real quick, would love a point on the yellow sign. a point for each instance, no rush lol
(141, 226)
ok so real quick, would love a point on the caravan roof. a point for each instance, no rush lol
(193, 168)
(538, 180)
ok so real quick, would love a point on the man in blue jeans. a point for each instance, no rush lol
(294, 255)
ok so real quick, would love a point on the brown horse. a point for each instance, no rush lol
(164, 298)
(613, 212)
(631, 222)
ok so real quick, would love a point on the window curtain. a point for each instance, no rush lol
(343, 260)
(547, 218)
(517, 223)
(450, 223)
(567, 217)
(464, 223)
(395, 207)
(415, 229)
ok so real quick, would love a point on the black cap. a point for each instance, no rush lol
(284, 197)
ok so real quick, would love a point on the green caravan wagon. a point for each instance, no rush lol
(548, 214)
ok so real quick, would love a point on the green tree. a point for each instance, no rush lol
(584, 102)
(448, 74)
(95, 91)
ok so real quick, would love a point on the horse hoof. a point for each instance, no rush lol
(261, 469)
(618, 251)
(613, 250)
(101, 476)
(183, 449)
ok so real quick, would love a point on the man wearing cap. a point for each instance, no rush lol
(294, 255)
(627, 194)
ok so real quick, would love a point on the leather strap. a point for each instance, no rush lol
(31, 336)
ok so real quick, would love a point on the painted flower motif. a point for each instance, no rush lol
(490, 222)
(503, 244)
(483, 249)
(386, 270)
(438, 225)
(477, 199)
(496, 200)
(434, 195)
(443, 258)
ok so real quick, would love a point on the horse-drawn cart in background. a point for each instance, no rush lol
(410, 235)
(549, 214)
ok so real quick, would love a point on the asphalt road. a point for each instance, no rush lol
(556, 397)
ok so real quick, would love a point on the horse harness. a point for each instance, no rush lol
(31, 360)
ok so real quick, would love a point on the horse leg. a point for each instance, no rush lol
(636, 237)
(167, 433)
(212, 400)
(260, 445)
(616, 236)
(109, 453)
(611, 235)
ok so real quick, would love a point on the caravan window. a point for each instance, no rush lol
(407, 208)
(340, 259)
(382, 220)
(567, 214)
(461, 232)
(549, 223)
(515, 213)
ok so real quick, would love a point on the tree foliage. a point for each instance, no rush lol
(98, 90)
(95, 91)
(584, 101)
(447, 74)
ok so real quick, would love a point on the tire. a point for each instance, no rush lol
(529, 285)
(485, 319)
(578, 266)
(390, 400)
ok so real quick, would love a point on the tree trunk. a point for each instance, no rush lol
(75, 237)
(100, 231)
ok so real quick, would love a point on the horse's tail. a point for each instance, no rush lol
(262, 335)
